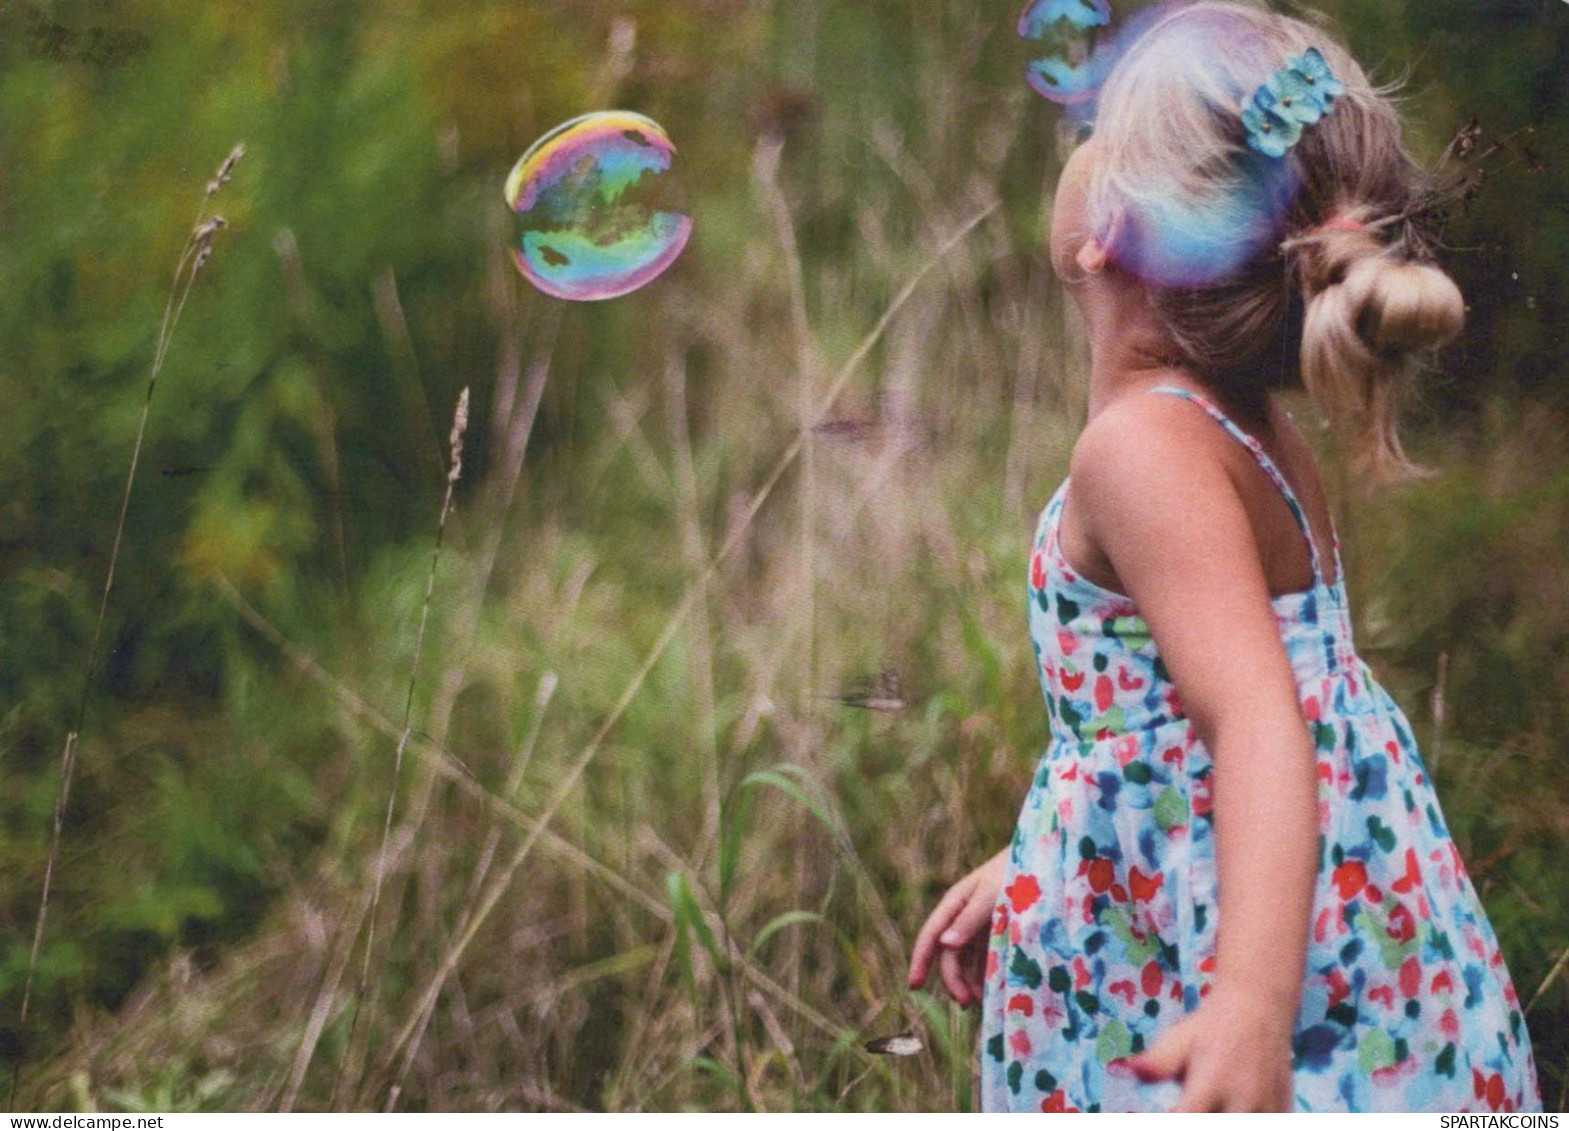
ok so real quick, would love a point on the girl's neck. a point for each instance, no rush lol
(1130, 351)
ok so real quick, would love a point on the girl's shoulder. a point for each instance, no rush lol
(1142, 471)
(1144, 454)
(1147, 439)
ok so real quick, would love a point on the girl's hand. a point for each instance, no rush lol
(1233, 1053)
(957, 931)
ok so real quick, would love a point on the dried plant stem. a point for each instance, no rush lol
(574, 773)
(67, 767)
(321, 1010)
(441, 761)
(193, 255)
(1547, 982)
(702, 644)
(445, 764)
(513, 424)
(460, 422)
(766, 165)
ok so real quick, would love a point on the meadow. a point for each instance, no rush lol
(615, 766)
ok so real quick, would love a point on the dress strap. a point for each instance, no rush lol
(1270, 470)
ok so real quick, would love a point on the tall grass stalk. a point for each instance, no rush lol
(487, 857)
(765, 165)
(439, 760)
(460, 422)
(512, 426)
(1547, 983)
(194, 254)
(702, 643)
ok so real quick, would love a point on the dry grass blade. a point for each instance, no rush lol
(1547, 983)
(321, 1010)
(67, 768)
(766, 166)
(440, 760)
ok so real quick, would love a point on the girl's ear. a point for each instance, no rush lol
(1092, 256)
(1095, 252)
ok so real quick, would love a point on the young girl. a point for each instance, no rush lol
(1230, 887)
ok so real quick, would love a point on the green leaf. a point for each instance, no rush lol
(780, 778)
(687, 911)
(675, 888)
(1171, 809)
(718, 1070)
(731, 837)
(779, 923)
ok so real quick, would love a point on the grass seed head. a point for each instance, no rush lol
(460, 424)
(226, 170)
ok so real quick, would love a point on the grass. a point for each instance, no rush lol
(654, 849)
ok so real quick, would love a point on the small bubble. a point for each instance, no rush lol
(1072, 66)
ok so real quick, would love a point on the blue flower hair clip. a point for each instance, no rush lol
(1294, 97)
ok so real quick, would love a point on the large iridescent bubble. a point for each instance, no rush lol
(600, 209)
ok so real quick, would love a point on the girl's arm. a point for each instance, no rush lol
(1151, 489)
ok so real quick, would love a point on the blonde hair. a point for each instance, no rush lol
(1270, 273)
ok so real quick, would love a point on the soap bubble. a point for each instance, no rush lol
(1072, 63)
(599, 209)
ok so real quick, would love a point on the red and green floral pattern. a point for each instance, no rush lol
(1105, 933)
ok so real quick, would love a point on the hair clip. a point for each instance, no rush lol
(1298, 95)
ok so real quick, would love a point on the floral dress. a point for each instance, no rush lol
(1105, 932)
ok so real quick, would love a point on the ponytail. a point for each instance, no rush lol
(1371, 312)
